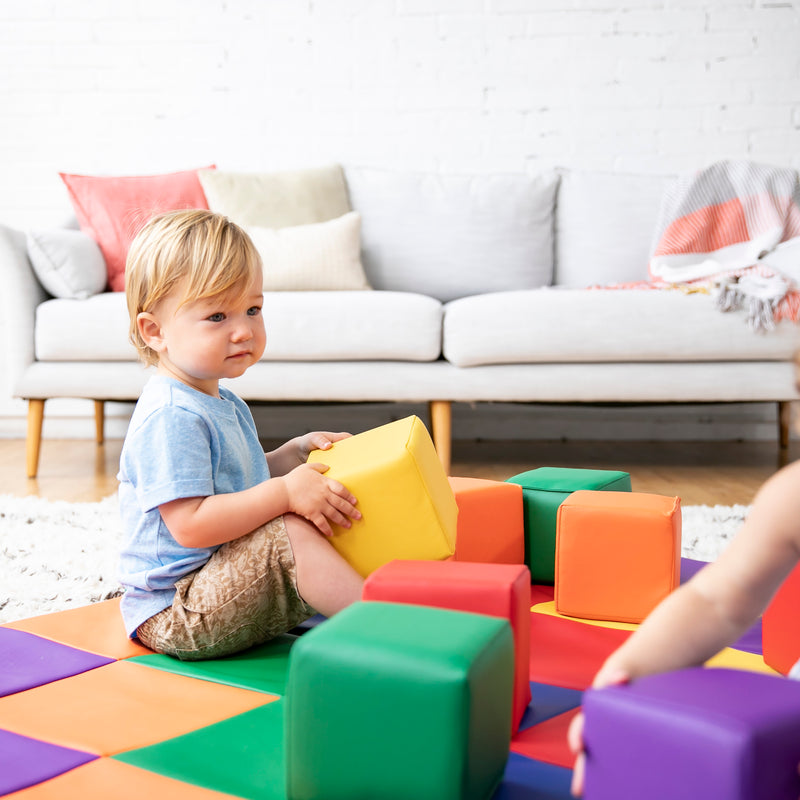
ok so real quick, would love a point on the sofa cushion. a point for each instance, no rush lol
(321, 256)
(450, 236)
(304, 326)
(277, 199)
(604, 227)
(68, 263)
(564, 325)
(112, 210)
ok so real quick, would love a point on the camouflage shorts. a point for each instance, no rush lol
(244, 595)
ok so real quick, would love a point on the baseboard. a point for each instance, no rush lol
(489, 421)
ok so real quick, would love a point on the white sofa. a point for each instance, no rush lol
(481, 293)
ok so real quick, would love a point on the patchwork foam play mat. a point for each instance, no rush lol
(86, 713)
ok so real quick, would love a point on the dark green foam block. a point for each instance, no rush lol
(399, 701)
(242, 756)
(263, 668)
(543, 491)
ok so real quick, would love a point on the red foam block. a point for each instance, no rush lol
(780, 625)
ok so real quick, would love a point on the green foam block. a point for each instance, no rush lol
(399, 701)
(543, 491)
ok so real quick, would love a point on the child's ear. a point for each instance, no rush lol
(150, 331)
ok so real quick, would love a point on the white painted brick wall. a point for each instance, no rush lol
(453, 85)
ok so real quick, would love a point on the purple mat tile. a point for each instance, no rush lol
(27, 661)
(750, 641)
(25, 762)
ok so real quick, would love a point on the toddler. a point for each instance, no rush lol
(225, 546)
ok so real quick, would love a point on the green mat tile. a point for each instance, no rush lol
(243, 755)
(262, 669)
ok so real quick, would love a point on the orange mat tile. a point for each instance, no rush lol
(97, 628)
(114, 779)
(122, 706)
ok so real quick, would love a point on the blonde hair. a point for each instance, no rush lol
(205, 253)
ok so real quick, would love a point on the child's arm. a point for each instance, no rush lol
(719, 604)
(295, 452)
(216, 519)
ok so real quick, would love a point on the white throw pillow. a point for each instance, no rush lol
(68, 263)
(450, 236)
(318, 257)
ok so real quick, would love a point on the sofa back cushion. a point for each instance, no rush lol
(604, 227)
(450, 236)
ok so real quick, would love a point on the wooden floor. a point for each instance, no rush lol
(699, 473)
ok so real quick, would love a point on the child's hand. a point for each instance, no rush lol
(319, 499)
(317, 440)
(295, 452)
(575, 732)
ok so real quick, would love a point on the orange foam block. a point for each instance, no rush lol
(497, 590)
(780, 626)
(491, 527)
(617, 554)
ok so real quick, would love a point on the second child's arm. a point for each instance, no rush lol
(216, 519)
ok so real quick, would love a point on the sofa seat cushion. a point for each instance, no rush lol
(563, 325)
(301, 326)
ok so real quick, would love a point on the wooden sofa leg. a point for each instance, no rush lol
(784, 422)
(34, 440)
(441, 430)
(99, 420)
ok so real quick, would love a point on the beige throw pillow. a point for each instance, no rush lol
(322, 256)
(277, 199)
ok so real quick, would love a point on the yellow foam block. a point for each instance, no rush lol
(408, 508)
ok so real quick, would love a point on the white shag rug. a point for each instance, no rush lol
(58, 555)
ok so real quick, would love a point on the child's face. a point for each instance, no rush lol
(211, 338)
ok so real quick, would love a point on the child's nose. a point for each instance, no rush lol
(242, 332)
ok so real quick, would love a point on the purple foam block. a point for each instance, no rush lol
(27, 661)
(25, 762)
(695, 733)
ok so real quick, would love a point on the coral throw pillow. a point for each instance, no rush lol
(112, 210)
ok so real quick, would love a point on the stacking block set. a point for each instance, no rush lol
(442, 682)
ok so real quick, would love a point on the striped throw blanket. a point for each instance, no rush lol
(734, 227)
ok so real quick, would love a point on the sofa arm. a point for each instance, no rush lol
(21, 294)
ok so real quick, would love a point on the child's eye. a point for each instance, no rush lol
(218, 317)
(254, 311)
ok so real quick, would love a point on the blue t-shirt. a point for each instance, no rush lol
(180, 443)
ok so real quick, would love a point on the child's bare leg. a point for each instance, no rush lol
(324, 579)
